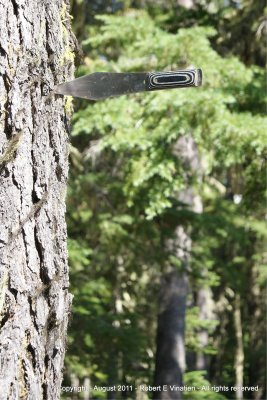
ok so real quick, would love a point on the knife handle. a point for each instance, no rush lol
(174, 79)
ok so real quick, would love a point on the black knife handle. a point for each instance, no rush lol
(174, 79)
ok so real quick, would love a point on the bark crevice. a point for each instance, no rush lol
(16, 13)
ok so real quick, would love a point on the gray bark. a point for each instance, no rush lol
(170, 356)
(36, 49)
(205, 305)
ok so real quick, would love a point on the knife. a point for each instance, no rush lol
(101, 85)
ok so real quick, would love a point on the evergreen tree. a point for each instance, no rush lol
(125, 205)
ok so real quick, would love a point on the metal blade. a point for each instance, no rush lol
(101, 85)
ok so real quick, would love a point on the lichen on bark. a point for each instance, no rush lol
(36, 53)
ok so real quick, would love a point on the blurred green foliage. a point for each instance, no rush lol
(125, 177)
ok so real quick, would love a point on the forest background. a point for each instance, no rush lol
(166, 201)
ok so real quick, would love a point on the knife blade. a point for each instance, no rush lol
(101, 85)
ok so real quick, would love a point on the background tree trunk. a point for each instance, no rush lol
(170, 356)
(36, 52)
(239, 355)
(257, 332)
(205, 305)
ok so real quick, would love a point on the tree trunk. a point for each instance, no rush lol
(204, 303)
(170, 356)
(239, 354)
(256, 355)
(36, 52)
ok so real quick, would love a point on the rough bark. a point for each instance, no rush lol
(36, 49)
(170, 356)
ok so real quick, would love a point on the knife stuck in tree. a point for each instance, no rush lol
(101, 85)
